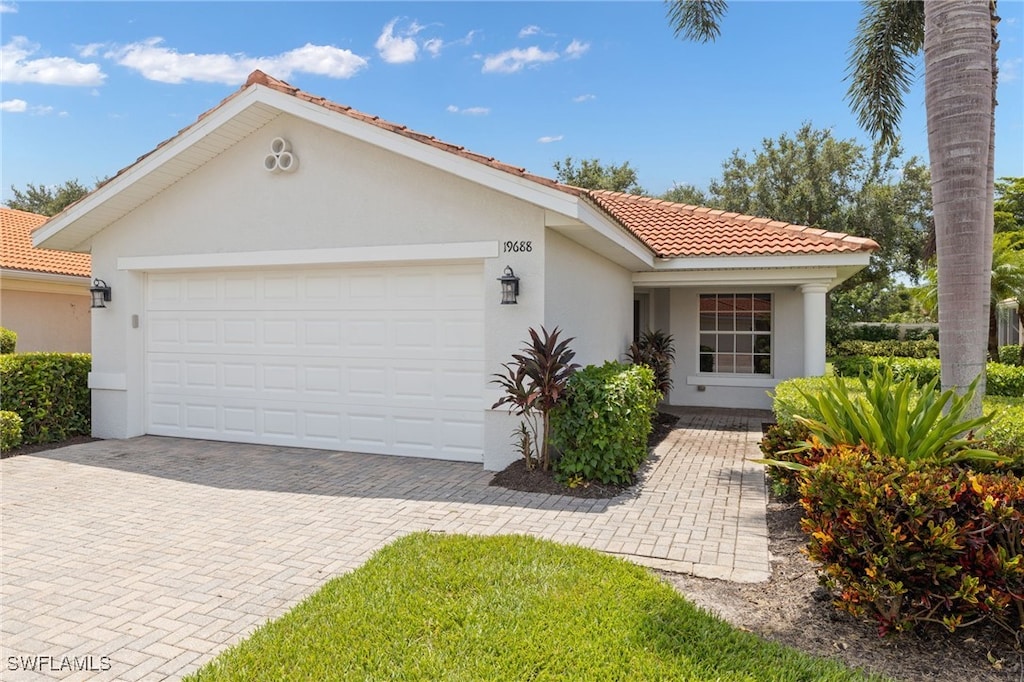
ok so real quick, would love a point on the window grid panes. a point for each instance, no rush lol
(736, 333)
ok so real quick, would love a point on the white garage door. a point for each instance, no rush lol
(366, 359)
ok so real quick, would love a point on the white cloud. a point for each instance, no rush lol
(90, 50)
(468, 111)
(1009, 70)
(398, 49)
(8, 8)
(530, 30)
(41, 110)
(434, 46)
(576, 49)
(584, 98)
(166, 65)
(13, 106)
(548, 139)
(514, 60)
(17, 68)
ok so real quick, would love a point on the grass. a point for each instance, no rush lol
(452, 607)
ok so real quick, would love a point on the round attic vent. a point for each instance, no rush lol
(280, 158)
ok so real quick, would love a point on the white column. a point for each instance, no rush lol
(814, 328)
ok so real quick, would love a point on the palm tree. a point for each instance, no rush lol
(1007, 282)
(958, 38)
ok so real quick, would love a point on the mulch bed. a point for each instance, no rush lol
(41, 447)
(517, 477)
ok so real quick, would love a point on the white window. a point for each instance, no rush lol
(736, 333)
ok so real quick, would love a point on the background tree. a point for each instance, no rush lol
(47, 200)
(1009, 205)
(813, 178)
(958, 38)
(686, 194)
(592, 174)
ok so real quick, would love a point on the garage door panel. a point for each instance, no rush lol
(384, 359)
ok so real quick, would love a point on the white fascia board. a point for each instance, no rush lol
(141, 169)
(737, 277)
(50, 277)
(474, 171)
(599, 221)
(359, 255)
(860, 258)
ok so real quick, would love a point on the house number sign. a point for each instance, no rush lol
(517, 247)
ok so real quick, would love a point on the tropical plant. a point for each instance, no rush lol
(958, 38)
(602, 428)
(887, 418)
(655, 349)
(534, 383)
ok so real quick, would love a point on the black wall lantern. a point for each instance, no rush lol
(100, 293)
(509, 287)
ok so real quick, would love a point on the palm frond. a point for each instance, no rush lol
(881, 67)
(696, 19)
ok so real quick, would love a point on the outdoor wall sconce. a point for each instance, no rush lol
(509, 287)
(100, 293)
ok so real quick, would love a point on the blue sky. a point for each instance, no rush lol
(89, 87)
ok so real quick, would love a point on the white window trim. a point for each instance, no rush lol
(750, 379)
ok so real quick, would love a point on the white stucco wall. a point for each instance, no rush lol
(589, 298)
(746, 392)
(344, 193)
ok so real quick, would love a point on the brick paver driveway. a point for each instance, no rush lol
(142, 559)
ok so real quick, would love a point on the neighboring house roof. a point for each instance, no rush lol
(678, 230)
(668, 230)
(17, 252)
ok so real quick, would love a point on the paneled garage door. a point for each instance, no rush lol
(366, 359)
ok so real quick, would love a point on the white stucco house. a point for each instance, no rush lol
(290, 271)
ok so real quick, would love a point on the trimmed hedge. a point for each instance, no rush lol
(50, 392)
(8, 341)
(1001, 380)
(908, 545)
(1010, 355)
(602, 427)
(10, 430)
(904, 349)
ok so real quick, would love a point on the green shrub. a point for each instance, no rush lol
(922, 370)
(1004, 380)
(788, 397)
(895, 420)
(1011, 355)
(922, 334)
(50, 392)
(1005, 433)
(655, 349)
(908, 545)
(10, 430)
(602, 427)
(8, 341)
(875, 332)
(904, 349)
(852, 365)
(781, 443)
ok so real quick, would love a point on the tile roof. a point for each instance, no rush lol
(17, 252)
(668, 229)
(678, 230)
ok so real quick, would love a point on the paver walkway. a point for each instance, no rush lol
(144, 558)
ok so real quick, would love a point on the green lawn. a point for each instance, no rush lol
(452, 607)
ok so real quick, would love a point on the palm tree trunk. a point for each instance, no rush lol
(958, 48)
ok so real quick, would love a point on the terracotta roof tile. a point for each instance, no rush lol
(17, 252)
(679, 230)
